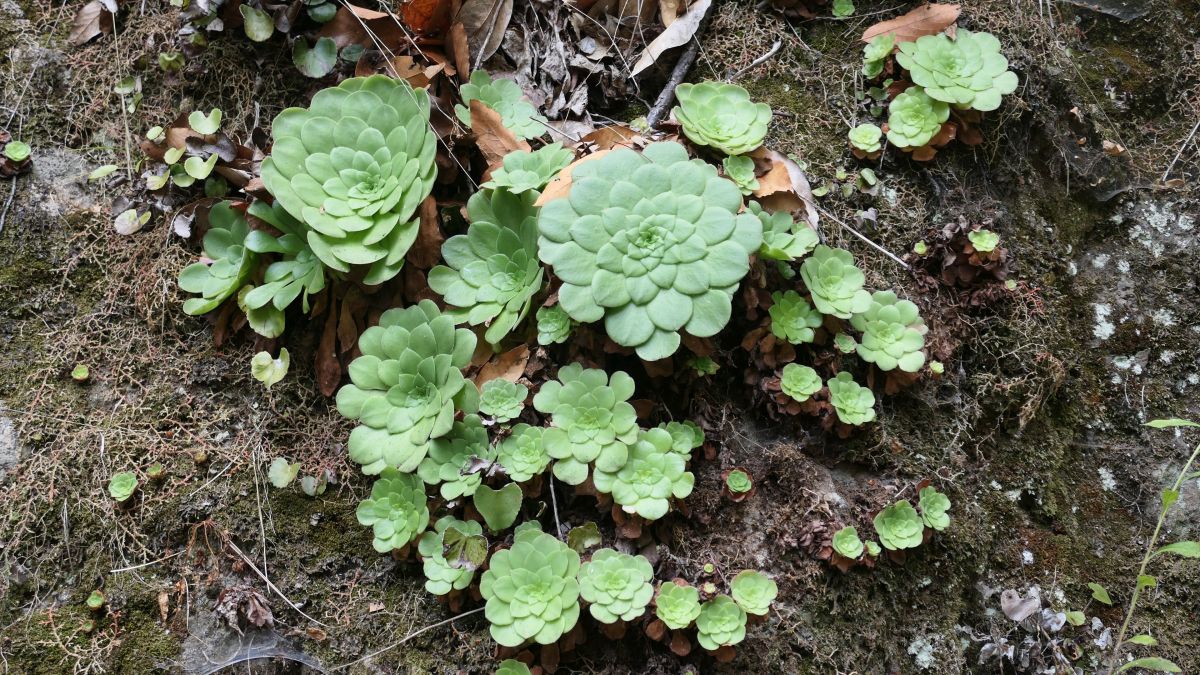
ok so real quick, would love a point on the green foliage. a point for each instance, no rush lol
(449, 456)
(506, 98)
(298, 272)
(875, 54)
(649, 478)
(17, 151)
(282, 473)
(984, 241)
(899, 526)
(406, 386)
(914, 118)
(503, 400)
(522, 171)
(799, 381)
(845, 343)
(316, 60)
(934, 506)
(512, 667)
(353, 167)
(792, 318)
(677, 606)
(740, 170)
(852, 403)
(440, 576)
(205, 124)
(753, 591)
(81, 373)
(531, 590)
(95, 601)
(523, 454)
(268, 369)
(396, 510)
(783, 237)
(685, 437)
(721, 622)
(617, 585)
(843, 8)
(553, 325)
(867, 137)
(593, 421)
(893, 333)
(122, 485)
(652, 243)
(835, 283)
(738, 482)
(259, 25)
(231, 265)
(847, 543)
(722, 116)
(968, 71)
(499, 508)
(493, 269)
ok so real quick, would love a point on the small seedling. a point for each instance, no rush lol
(95, 601)
(738, 484)
(156, 472)
(80, 373)
(122, 486)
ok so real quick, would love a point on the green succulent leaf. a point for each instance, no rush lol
(122, 485)
(406, 386)
(899, 526)
(875, 54)
(984, 241)
(396, 510)
(268, 369)
(266, 320)
(616, 585)
(522, 171)
(835, 283)
(315, 60)
(753, 591)
(531, 590)
(799, 381)
(281, 473)
(651, 475)
(449, 457)
(593, 422)
(721, 115)
(503, 400)
(523, 454)
(462, 550)
(17, 151)
(676, 605)
(441, 576)
(652, 243)
(553, 325)
(512, 667)
(792, 318)
(721, 622)
(893, 333)
(230, 266)
(934, 508)
(914, 118)
(297, 273)
(845, 343)
(852, 403)
(739, 482)
(784, 238)
(506, 98)
(493, 269)
(205, 124)
(353, 167)
(867, 138)
(499, 508)
(740, 170)
(847, 543)
(967, 71)
(685, 437)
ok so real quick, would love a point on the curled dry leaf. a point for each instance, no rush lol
(493, 138)
(784, 187)
(91, 20)
(426, 251)
(484, 22)
(354, 25)
(925, 20)
(459, 49)
(507, 366)
(678, 33)
(429, 17)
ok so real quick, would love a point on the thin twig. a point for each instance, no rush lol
(554, 504)
(757, 62)
(667, 97)
(856, 233)
(275, 589)
(408, 637)
(145, 564)
(1181, 149)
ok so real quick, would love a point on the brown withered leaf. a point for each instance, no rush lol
(429, 17)
(784, 187)
(493, 138)
(562, 182)
(678, 33)
(925, 20)
(507, 366)
(426, 251)
(328, 367)
(680, 644)
(668, 11)
(460, 49)
(484, 22)
(91, 20)
(606, 138)
(353, 25)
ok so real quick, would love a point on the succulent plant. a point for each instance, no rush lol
(753, 591)
(934, 506)
(493, 269)
(512, 667)
(531, 590)
(522, 171)
(553, 325)
(406, 386)
(593, 420)
(506, 98)
(799, 382)
(899, 526)
(396, 510)
(17, 151)
(914, 118)
(677, 605)
(268, 369)
(722, 116)
(872, 549)
(650, 477)
(122, 485)
(440, 576)
(893, 333)
(984, 241)
(968, 71)
(652, 243)
(230, 266)
(835, 283)
(617, 585)
(866, 138)
(852, 403)
(523, 454)
(721, 622)
(501, 399)
(353, 167)
(792, 318)
(875, 54)
(783, 237)
(847, 543)
(740, 170)
(738, 482)
(685, 437)
(450, 454)
(845, 343)
(298, 273)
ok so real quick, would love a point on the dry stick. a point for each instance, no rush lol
(408, 637)
(757, 62)
(273, 587)
(1180, 153)
(856, 233)
(667, 97)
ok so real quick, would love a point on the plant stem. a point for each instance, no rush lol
(1137, 588)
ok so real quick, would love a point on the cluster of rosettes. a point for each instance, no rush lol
(899, 526)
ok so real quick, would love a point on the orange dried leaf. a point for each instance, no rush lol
(562, 182)
(925, 20)
(426, 251)
(426, 16)
(493, 138)
(507, 366)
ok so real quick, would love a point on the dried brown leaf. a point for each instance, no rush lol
(328, 367)
(429, 17)
(678, 33)
(784, 187)
(91, 20)
(485, 22)
(925, 20)
(507, 366)
(353, 25)
(460, 50)
(493, 138)
(562, 182)
(426, 251)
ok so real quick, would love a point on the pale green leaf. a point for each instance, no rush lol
(258, 24)
(270, 370)
(462, 550)
(1152, 663)
(499, 508)
(1169, 423)
(584, 537)
(315, 61)
(281, 473)
(1100, 593)
(1146, 581)
(102, 171)
(1187, 549)
(205, 124)
(1076, 618)
(1144, 640)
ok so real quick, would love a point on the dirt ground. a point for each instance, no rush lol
(1034, 430)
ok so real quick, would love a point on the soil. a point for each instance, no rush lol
(1034, 430)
